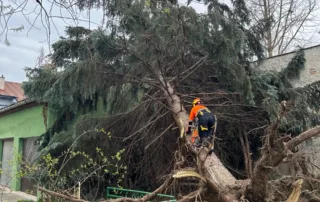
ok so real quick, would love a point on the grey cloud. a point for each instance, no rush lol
(14, 58)
(24, 48)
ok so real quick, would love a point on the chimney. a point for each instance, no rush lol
(2, 81)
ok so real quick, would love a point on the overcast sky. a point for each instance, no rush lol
(25, 45)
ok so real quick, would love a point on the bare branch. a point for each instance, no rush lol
(285, 21)
(303, 137)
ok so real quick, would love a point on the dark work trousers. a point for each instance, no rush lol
(205, 124)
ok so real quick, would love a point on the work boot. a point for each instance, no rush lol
(205, 142)
(197, 142)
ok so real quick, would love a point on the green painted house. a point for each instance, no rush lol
(20, 125)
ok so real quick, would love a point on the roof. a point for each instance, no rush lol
(7, 96)
(310, 47)
(13, 89)
(18, 106)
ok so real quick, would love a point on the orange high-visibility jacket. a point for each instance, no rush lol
(195, 110)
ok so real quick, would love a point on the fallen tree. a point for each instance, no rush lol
(210, 169)
(219, 179)
(145, 69)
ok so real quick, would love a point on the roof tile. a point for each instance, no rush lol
(13, 89)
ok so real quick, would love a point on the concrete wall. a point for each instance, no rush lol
(311, 72)
(18, 125)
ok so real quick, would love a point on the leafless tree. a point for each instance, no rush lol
(40, 15)
(285, 23)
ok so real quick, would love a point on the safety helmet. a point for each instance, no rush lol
(195, 101)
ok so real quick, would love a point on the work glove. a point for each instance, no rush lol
(188, 131)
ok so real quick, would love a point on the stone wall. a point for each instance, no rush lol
(310, 74)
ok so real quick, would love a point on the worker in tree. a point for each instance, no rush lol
(205, 121)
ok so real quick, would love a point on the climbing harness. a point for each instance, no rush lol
(207, 142)
(202, 111)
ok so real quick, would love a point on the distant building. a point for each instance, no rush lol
(10, 92)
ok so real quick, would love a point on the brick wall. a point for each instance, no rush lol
(310, 74)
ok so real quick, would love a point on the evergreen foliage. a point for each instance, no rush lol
(295, 66)
(201, 55)
(270, 88)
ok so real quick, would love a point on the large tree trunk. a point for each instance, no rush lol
(220, 178)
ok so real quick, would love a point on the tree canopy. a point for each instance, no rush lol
(151, 50)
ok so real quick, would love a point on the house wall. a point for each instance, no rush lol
(29, 122)
(18, 125)
(26, 123)
(310, 74)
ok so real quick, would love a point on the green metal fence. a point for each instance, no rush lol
(113, 193)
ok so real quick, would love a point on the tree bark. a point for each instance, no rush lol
(266, 8)
(272, 158)
(218, 176)
(246, 153)
(55, 194)
(303, 137)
